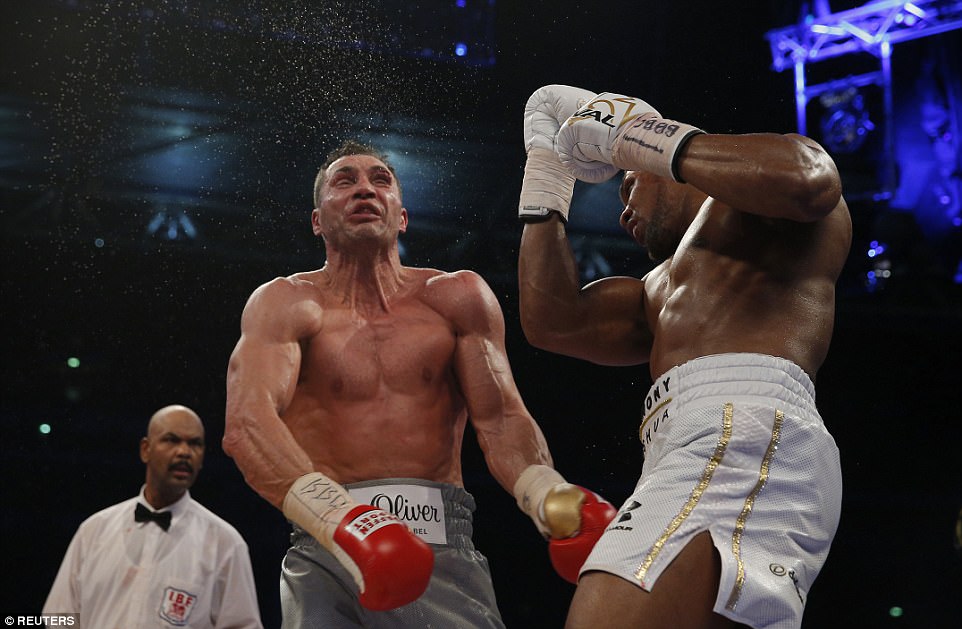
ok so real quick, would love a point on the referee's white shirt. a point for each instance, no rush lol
(119, 573)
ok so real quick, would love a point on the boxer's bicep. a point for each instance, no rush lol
(261, 380)
(605, 325)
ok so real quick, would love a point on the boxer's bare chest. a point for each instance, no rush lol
(357, 355)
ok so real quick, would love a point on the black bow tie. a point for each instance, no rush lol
(143, 514)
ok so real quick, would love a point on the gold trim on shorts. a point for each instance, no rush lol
(696, 494)
(644, 422)
(747, 510)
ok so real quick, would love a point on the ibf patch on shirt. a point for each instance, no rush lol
(420, 508)
(176, 606)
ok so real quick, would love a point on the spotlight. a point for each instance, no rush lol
(875, 248)
(172, 225)
(881, 267)
(845, 123)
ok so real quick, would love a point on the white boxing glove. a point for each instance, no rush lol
(547, 185)
(546, 109)
(616, 132)
(586, 139)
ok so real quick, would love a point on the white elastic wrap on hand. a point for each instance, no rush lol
(317, 504)
(530, 489)
(652, 144)
(547, 186)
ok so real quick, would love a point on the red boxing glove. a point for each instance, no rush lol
(569, 554)
(393, 565)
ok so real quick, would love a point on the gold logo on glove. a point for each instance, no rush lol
(562, 510)
(598, 116)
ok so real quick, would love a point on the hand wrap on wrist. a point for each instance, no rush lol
(547, 186)
(652, 143)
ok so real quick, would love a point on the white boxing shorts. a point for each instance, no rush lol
(734, 446)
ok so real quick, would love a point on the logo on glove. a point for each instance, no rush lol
(661, 127)
(370, 521)
(601, 117)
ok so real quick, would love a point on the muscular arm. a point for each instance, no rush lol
(507, 434)
(774, 176)
(603, 322)
(261, 378)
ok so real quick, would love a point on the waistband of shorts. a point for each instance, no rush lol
(459, 506)
(736, 374)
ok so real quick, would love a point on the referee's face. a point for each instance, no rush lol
(173, 451)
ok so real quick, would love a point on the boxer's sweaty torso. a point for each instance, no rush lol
(738, 283)
(377, 395)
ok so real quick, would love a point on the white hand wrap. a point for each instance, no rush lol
(547, 185)
(317, 504)
(652, 144)
(530, 490)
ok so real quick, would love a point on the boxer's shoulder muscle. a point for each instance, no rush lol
(464, 298)
(286, 303)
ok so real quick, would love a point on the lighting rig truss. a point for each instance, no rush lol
(873, 28)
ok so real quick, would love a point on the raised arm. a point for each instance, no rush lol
(261, 378)
(602, 322)
(771, 175)
(776, 176)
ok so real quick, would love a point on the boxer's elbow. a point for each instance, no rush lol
(237, 439)
(563, 340)
(240, 444)
(817, 193)
(234, 438)
(554, 324)
(536, 333)
(814, 185)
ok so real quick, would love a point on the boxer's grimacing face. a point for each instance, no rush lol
(360, 197)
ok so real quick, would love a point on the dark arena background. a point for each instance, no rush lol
(156, 165)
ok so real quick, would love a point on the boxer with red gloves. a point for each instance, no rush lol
(390, 564)
(348, 396)
(571, 517)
